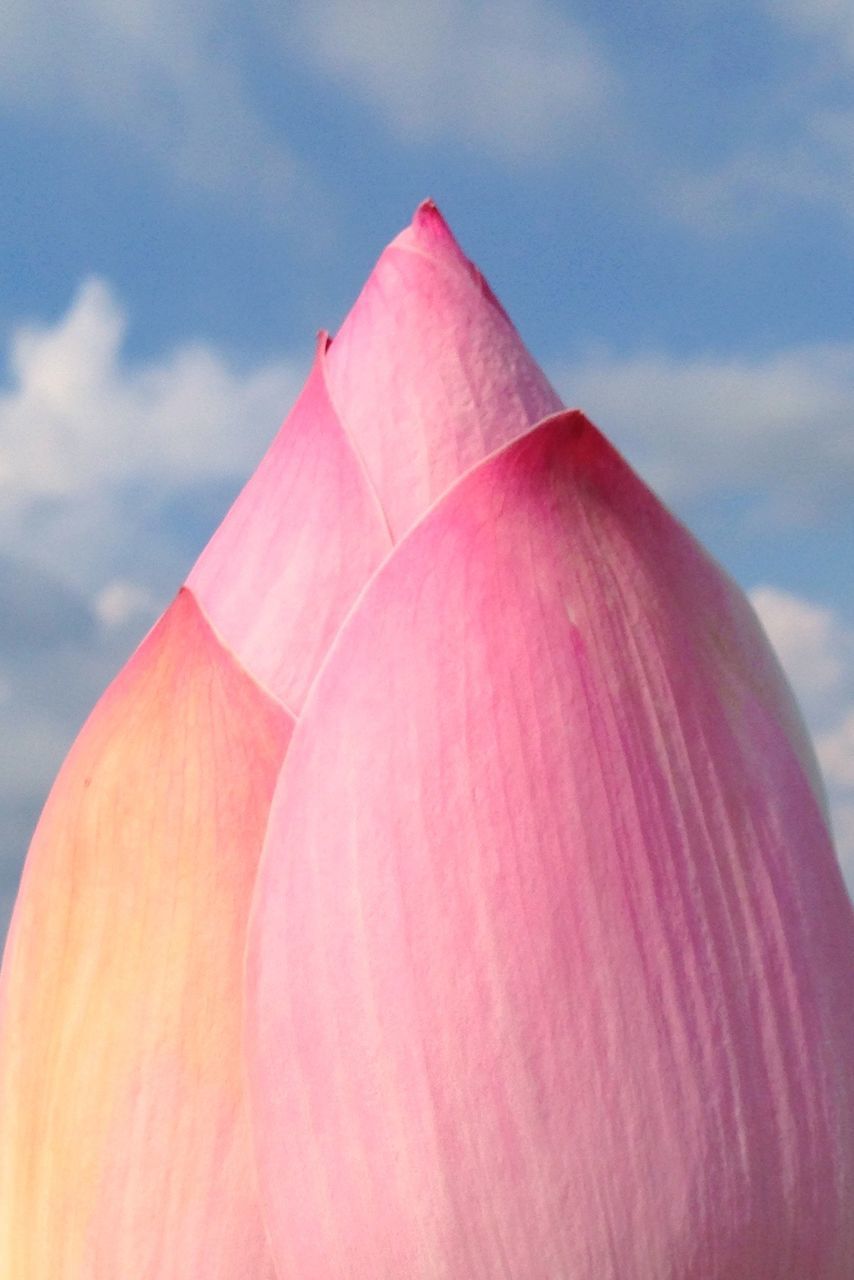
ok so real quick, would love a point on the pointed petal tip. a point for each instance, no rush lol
(429, 217)
(572, 420)
(429, 232)
(307, 515)
(569, 436)
(428, 345)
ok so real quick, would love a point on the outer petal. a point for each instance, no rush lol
(296, 547)
(550, 958)
(125, 1147)
(428, 371)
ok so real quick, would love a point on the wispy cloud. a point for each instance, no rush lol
(775, 429)
(517, 78)
(77, 414)
(816, 649)
(827, 20)
(93, 447)
(800, 130)
(812, 169)
(183, 85)
(163, 77)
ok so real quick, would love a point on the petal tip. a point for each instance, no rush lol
(570, 432)
(429, 232)
(429, 218)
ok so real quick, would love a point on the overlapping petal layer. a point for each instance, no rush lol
(426, 377)
(125, 1148)
(140, 842)
(550, 957)
(300, 541)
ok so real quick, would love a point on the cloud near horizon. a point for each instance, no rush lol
(776, 428)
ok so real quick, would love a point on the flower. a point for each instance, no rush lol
(549, 959)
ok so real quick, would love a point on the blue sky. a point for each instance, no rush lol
(663, 198)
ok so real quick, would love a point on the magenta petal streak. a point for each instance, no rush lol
(550, 957)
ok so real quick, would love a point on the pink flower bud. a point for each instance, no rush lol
(549, 960)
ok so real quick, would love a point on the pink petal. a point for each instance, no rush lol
(426, 376)
(125, 1150)
(299, 542)
(550, 961)
(428, 372)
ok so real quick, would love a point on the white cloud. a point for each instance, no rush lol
(779, 427)
(162, 75)
(515, 77)
(116, 471)
(121, 601)
(94, 448)
(178, 82)
(78, 416)
(816, 648)
(813, 168)
(836, 753)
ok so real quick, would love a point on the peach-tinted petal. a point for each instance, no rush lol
(428, 372)
(550, 959)
(125, 1151)
(301, 539)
